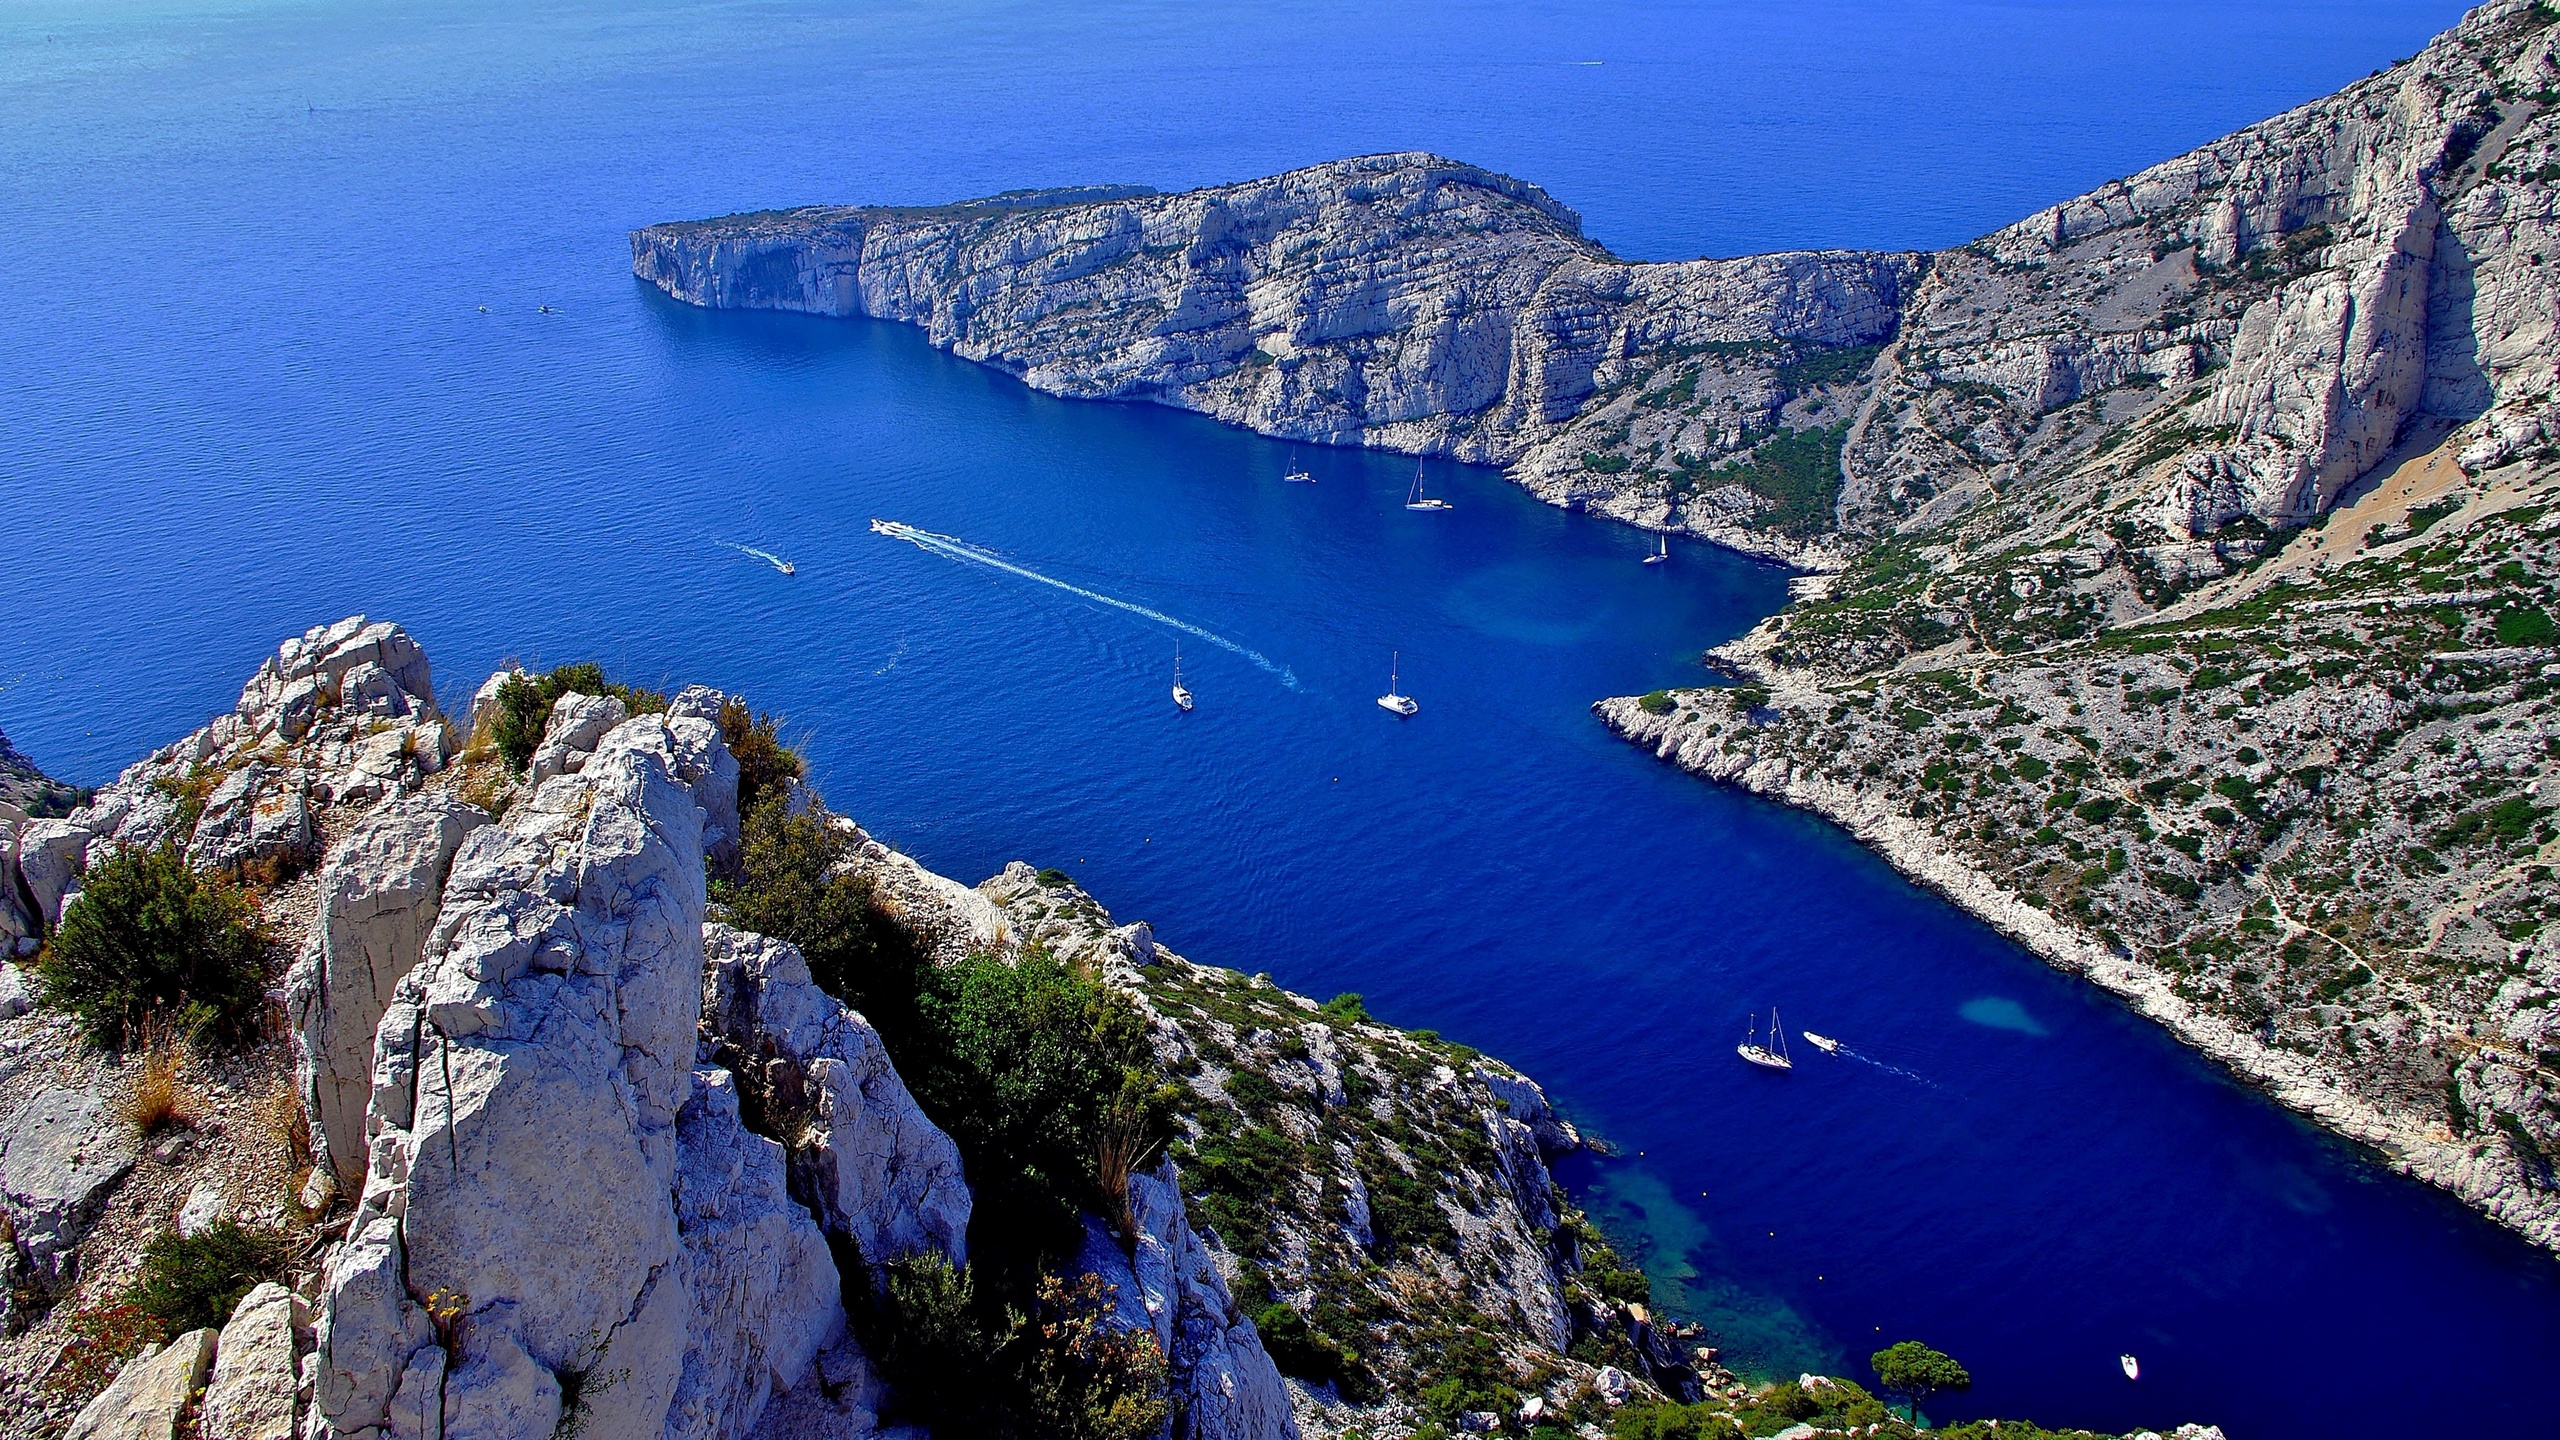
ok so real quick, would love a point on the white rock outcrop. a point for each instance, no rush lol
(61, 1155)
(539, 1212)
(251, 1393)
(149, 1396)
(1166, 1282)
(869, 1164)
(378, 898)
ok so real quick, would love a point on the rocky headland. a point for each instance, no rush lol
(2183, 594)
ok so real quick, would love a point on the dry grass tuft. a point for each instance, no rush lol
(159, 1095)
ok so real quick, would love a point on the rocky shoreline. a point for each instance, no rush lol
(2413, 1148)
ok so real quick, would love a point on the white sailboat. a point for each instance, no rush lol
(1662, 555)
(1414, 499)
(1761, 1055)
(1295, 474)
(1401, 704)
(1181, 696)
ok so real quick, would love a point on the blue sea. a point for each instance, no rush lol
(247, 384)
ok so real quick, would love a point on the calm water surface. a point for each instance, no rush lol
(246, 385)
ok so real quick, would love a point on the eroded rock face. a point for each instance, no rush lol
(1403, 301)
(245, 789)
(542, 1052)
(1224, 1385)
(61, 1155)
(866, 1161)
(378, 901)
(50, 856)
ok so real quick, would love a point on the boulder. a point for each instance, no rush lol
(203, 1208)
(578, 724)
(378, 899)
(50, 856)
(149, 1395)
(866, 1160)
(17, 996)
(250, 1396)
(60, 1157)
(309, 674)
(1223, 1383)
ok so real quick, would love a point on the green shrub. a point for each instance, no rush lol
(151, 936)
(1348, 1007)
(1025, 1065)
(1061, 1370)
(525, 701)
(766, 766)
(188, 1282)
(1298, 1349)
(2527, 627)
(789, 887)
(1666, 1420)
(1746, 698)
(1656, 702)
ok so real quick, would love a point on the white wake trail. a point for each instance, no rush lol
(955, 548)
(767, 556)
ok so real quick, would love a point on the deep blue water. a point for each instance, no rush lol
(245, 387)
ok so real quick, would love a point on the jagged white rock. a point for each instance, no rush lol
(875, 1170)
(251, 1394)
(378, 897)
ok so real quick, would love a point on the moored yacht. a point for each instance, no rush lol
(1761, 1055)
(1414, 499)
(1295, 474)
(1394, 700)
(1662, 554)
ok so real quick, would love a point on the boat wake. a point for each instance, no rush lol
(1912, 1076)
(954, 548)
(767, 556)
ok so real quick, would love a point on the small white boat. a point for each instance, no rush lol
(786, 567)
(1823, 1043)
(1296, 475)
(1414, 499)
(1399, 703)
(1661, 556)
(1181, 696)
(1761, 1055)
(2132, 1367)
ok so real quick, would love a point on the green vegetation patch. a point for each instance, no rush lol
(154, 940)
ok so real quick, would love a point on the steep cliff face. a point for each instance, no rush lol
(1400, 301)
(2203, 640)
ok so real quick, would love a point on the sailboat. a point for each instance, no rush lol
(1761, 1055)
(1400, 704)
(1414, 499)
(1181, 696)
(1661, 555)
(1296, 474)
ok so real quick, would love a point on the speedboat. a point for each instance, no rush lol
(786, 567)
(1823, 1043)
(1401, 704)
(2132, 1367)
(1761, 1055)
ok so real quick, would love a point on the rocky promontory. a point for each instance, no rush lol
(1404, 302)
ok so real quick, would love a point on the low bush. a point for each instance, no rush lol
(766, 766)
(1656, 702)
(525, 701)
(791, 886)
(188, 1282)
(153, 941)
(966, 1363)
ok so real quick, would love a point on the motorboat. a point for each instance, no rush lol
(1823, 1043)
(2132, 1367)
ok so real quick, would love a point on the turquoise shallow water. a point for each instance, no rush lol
(246, 385)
